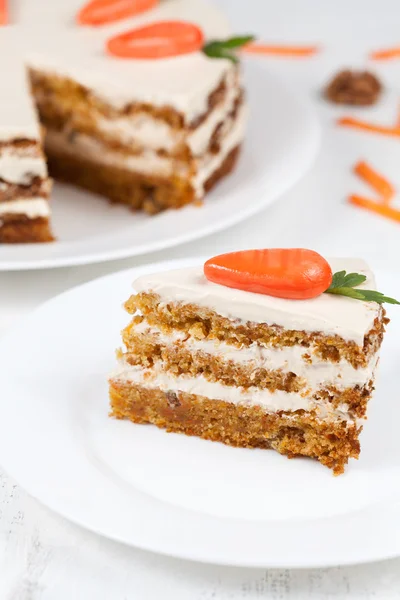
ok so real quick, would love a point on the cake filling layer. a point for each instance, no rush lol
(201, 322)
(310, 370)
(21, 165)
(149, 162)
(32, 208)
(271, 402)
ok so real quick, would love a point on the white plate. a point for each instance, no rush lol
(174, 494)
(280, 146)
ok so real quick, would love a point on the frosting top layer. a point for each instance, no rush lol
(44, 35)
(183, 82)
(329, 314)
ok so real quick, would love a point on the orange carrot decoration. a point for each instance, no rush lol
(371, 127)
(158, 40)
(377, 181)
(387, 54)
(377, 207)
(285, 51)
(4, 12)
(294, 273)
(101, 12)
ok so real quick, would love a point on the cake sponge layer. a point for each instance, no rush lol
(293, 434)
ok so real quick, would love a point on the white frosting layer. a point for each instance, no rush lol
(316, 374)
(143, 130)
(253, 396)
(19, 167)
(30, 207)
(329, 314)
(183, 83)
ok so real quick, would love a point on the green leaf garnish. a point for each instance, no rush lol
(343, 284)
(226, 48)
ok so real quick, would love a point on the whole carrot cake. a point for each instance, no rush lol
(153, 124)
(210, 353)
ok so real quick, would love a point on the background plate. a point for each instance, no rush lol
(173, 494)
(280, 146)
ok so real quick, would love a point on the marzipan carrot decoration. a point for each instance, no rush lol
(279, 50)
(158, 40)
(377, 181)
(377, 207)
(387, 54)
(293, 273)
(4, 12)
(101, 12)
(371, 127)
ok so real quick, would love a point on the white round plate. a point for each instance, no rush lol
(280, 146)
(174, 494)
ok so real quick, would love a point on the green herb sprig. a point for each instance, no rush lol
(344, 284)
(227, 48)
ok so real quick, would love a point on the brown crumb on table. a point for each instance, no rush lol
(359, 88)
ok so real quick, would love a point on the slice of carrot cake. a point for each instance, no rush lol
(24, 182)
(251, 369)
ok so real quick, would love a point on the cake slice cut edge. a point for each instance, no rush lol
(247, 369)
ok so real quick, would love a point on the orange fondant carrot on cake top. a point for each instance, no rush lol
(294, 273)
(158, 40)
(4, 12)
(101, 12)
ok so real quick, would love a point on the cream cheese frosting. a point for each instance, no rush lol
(30, 207)
(18, 168)
(329, 314)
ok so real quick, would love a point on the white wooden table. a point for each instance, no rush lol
(42, 557)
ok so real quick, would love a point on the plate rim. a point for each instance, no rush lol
(305, 161)
(372, 515)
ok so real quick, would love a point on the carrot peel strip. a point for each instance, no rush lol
(377, 181)
(376, 207)
(366, 126)
(4, 12)
(100, 12)
(158, 40)
(273, 50)
(387, 54)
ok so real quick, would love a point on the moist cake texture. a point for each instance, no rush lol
(150, 134)
(248, 369)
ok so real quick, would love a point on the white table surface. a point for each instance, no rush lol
(42, 557)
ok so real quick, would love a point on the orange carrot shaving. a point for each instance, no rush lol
(371, 127)
(387, 54)
(377, 181)
(100, 12)
(377, 207)
(4, 12)
(158, 40)
(299, 51)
